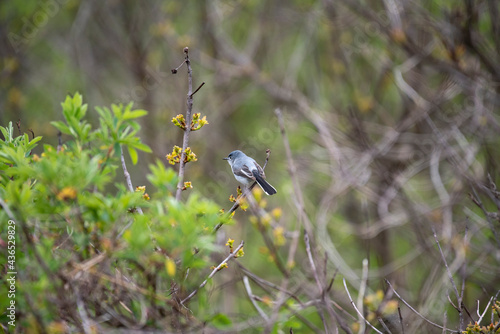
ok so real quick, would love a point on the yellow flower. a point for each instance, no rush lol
(170, 267)
(66, 193)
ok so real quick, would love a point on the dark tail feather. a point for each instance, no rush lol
(268, 189)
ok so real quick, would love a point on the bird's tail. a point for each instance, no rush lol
(268, 189)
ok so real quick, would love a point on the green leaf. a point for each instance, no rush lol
(142, 147)
(133, 154)
(61, 127)
(221, 321)
(134, 114)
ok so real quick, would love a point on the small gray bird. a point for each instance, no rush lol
(246, 171)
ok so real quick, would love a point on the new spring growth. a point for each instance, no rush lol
(187, 184)
(175, 157)
(230, 243)
(179, 121)
(142, 189)
(196, 123)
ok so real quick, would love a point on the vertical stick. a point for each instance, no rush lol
(187, 131)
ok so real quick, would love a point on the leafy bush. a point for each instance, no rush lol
(82, 238)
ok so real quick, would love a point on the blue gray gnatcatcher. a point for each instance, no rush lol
(246, 171)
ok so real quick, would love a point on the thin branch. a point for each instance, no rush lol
(59, 141)
(7, 209)
(415, 311)
(361, 293)
(401, 319)
(187, 130)
(445, 320)
(359, 313)
(216, 269)
(86, 322)
(246, 283)
(197, 89)
(475, 198)
(383, 324)
(292, 170)
(127, 178)
(450, 276)
(311, 261)
(316, 276)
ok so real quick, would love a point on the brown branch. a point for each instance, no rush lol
(415, 311)
(458, 307)
(197, 89)
(187, 131)
(216, 269)
(401, 319)
(59, 141)
(359, 313)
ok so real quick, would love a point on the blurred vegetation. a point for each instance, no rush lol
(389, 110)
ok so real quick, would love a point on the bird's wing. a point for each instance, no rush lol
(245, 172)
(261, 171)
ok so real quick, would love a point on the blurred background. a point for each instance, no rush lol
(390, 109)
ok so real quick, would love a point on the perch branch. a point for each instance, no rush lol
(236, 204)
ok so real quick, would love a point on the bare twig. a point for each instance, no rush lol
(361, 293)
(401, 319)
(445, 320)
(197, 89)
(415, 311)
(315, 274)
(7, 209)
(359, 313)
(246, 283)
(458, 307)
(480, 204)
(299, 197)
(187, 130)
(127, 178)
(383, 324)
(216, 269)
(59, 141)
(311, 261)
(86, 322)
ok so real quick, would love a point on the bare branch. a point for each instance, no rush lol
(415, 311)
(359, 313)
(127, 177)
(246, 283)
(216, 269)
(187, 131)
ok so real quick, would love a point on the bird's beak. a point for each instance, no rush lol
(225, 158)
